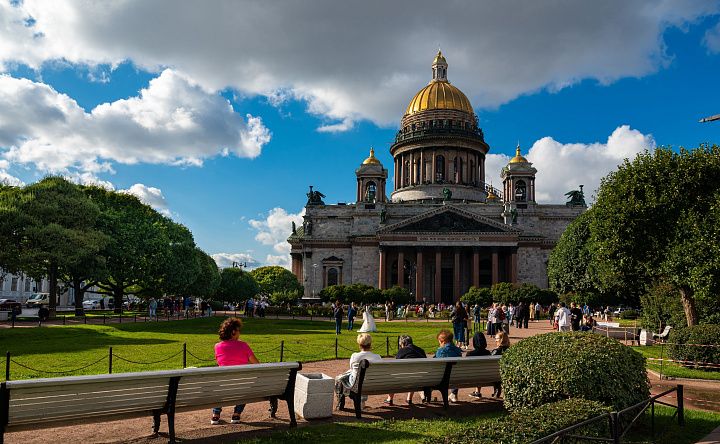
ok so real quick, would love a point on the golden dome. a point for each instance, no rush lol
(439, 95)
(518, 157)
(372, 160)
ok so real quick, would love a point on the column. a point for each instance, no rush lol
(412, 168)
(401, 269)
(422, 166)
(513, 266)
(476, 268)
(456, 277)
(438, 270)
(433, 173)
(381, 268)
(494, 267)
(419, 275)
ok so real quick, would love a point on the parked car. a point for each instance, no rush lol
(10, 305)
(91, 304)
(37, 299)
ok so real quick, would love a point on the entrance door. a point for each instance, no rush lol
(446, 290)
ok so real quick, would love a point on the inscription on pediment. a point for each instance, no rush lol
(449, 222)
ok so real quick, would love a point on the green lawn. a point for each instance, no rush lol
(671, 369)
(65, 348)
(697, 425)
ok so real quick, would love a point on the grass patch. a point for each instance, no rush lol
(697, 425)
(386, 431)
(670, 368)
(66, 348)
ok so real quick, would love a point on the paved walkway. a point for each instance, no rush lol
(712, 438)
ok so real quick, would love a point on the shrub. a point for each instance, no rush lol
(629, 314)
(399, 295)
(528, 425)
(284, 297)
(556, 366)
(478, 296)
(700, 335)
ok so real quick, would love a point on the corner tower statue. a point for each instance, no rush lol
(444, 229)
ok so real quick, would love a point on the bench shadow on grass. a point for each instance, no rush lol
(252, 326)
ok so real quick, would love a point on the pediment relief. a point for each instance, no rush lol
(449, 220)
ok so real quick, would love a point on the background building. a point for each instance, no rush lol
(443, 229)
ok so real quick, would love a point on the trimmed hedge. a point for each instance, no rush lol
(528, 425)
(697, 334)
(629, 314)
(556, 366)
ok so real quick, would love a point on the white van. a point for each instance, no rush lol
(38, 299)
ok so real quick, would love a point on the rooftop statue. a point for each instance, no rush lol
(447, 194)
(315, 197)
(576, 198)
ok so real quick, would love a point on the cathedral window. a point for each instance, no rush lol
(332, 276)
(370, 192)
(439, 168)
(520, 191)
(14, 284)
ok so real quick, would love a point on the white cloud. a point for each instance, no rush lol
(564, 166)
(274, 230)
(8, 179)
(712, 39)
(172, 121)
(358, 60)
(226, 260)
(151, 196)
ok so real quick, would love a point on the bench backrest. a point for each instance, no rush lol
(137, 394)
(233, 384)
(397, 375)
(474, 371)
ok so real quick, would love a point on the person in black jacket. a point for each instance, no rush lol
(502, 340)
(479, 349)
(406, 350)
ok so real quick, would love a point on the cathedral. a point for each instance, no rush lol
(442, 229)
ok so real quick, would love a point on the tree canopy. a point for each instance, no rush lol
(237, 285)
(656, 219)
(275, 279)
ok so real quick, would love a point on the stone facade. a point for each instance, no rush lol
(444, 229)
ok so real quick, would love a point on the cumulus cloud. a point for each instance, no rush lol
(358, 60)
(274, 231)
(712, 39)
(563, 166)
(226, 260)
(172, 121)
(151, 196)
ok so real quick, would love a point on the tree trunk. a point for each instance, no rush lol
(53, 300)
(79, 290)
(118, 299)
(687, 296)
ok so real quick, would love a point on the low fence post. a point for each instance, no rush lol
(652, 420)
(63, 319)
(103, 319)
(13, 322)
(85, 318)
(184, 354)
(282, 350)
(662, 361)
(110, 361)
(120, 318)
(135, 317)
(387, 345)
(680, 405)
(7, 366)
(336, 345)
(614, 428)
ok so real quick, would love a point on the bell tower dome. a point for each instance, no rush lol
(519, 181)
(371, 177)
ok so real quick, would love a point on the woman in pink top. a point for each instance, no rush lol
(231, 351)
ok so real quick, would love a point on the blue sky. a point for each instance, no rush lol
(221, 114)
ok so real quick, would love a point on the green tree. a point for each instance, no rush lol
(273, 278)
(11, 224)
(503, 292)
(280, 298)
(478, 296)
(207, 280)
(138, 251)
(57, 232)
(657, 219)
(398, 295)
(236, 285)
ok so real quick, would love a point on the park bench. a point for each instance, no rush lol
(664, 335)
(52, 402)
(411, 375)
